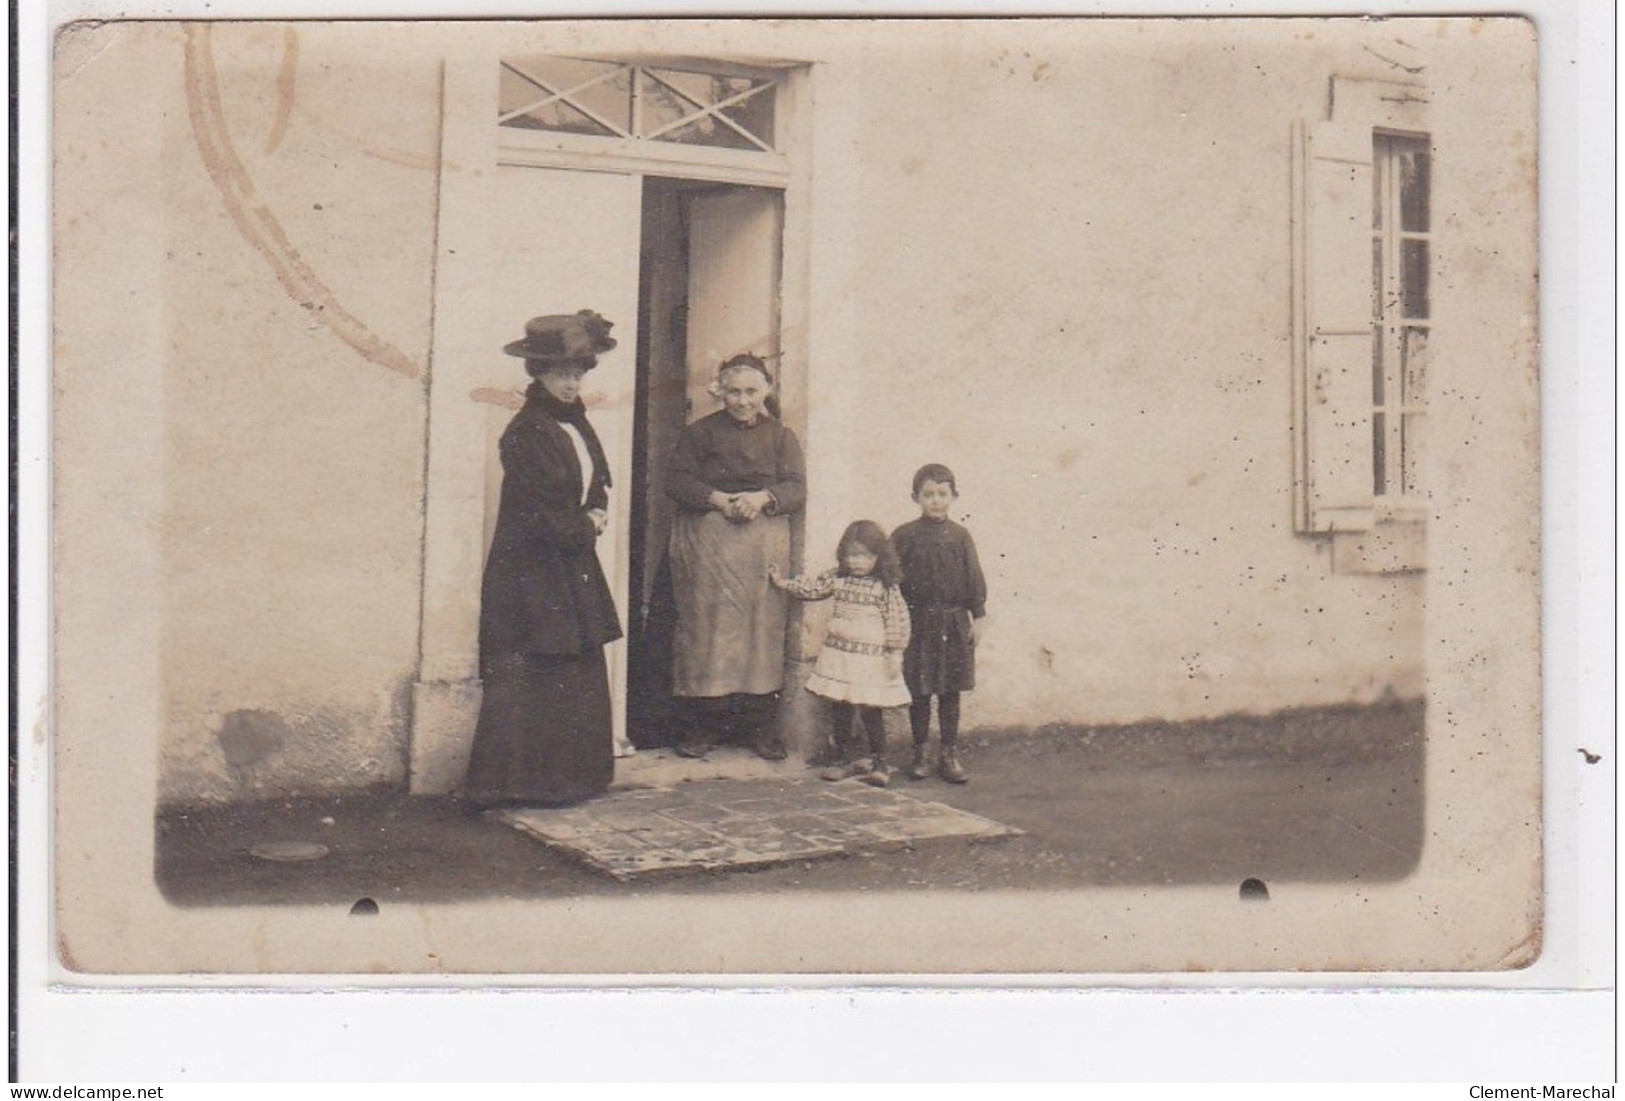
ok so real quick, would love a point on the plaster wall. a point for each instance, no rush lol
(299, 178)
(1063, 272)
(1085, 312)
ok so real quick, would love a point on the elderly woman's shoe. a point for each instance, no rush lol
(695, 746)
(950, 769)
(770, 748)
(920, 767)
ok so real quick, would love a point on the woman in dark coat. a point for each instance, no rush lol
(544, 735)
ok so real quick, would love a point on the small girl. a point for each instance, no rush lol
(860, 666)
(947, 598)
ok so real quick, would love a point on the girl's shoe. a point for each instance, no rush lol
(920, 767)
(878, 775)
(950, 769)
(859, 767)
(826, 756)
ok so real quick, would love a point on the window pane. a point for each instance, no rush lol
(755, 114)
(1413, 278)
(606, 96)
(1377, 387)
(1413, 442)
(1379, 454)
(694, 90)
(1376, 278)
(660, 105)
(708, 131)
(1414, 167)
(669, 96)
(1414, 353)
(1379, 162)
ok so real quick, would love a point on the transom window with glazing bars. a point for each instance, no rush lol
(638, 102)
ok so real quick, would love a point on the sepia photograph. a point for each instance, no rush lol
(810, 497)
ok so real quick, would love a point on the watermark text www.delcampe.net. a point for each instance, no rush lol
(90, 1093)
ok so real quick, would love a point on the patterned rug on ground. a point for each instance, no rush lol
(739, 825)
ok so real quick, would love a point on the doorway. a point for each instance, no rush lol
(711, 263)
(695, 250)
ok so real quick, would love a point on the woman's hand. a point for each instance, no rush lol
(773, 576)
(600, 520)
(976, 631)
(748, 506)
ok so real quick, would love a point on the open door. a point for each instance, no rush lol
(516, 242)
(568, 241)
(711, 268)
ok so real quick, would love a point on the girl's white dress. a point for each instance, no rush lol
(868, 625)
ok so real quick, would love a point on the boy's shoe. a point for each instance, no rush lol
(920, 767)
(878, 775)
(950, 769)
(859, 767)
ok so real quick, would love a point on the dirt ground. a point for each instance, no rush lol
(1301, 796)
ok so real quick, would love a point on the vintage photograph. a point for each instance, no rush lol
(813, 497)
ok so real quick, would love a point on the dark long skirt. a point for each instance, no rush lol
(544, 736)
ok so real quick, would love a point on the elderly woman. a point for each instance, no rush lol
(737, 476)
(544, 734)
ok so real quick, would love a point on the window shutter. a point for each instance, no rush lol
(1335, 327)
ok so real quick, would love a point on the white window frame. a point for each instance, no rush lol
(1333, 328)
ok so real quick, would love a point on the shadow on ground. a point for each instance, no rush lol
(1301, 796)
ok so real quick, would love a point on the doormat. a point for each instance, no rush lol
(742, 825)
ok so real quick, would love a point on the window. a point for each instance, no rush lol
(1361, 323)
(1400, 256)
(606, 99)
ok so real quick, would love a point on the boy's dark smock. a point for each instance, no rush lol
(945, 590)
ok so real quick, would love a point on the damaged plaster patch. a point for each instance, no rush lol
(248, 737)
(272, 751)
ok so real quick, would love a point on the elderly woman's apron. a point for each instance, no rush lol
(730, 620)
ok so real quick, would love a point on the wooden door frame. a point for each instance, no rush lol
(446, 691)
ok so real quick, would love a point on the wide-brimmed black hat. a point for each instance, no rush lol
(564, 338)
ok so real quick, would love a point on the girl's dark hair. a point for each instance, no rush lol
(935, 472)
(868, 535)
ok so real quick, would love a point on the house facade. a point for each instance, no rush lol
(1162, 297)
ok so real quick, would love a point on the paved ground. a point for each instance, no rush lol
(743, 825)
(1316, 795)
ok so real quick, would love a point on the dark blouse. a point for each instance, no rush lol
(940, 566)
(719, 453)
